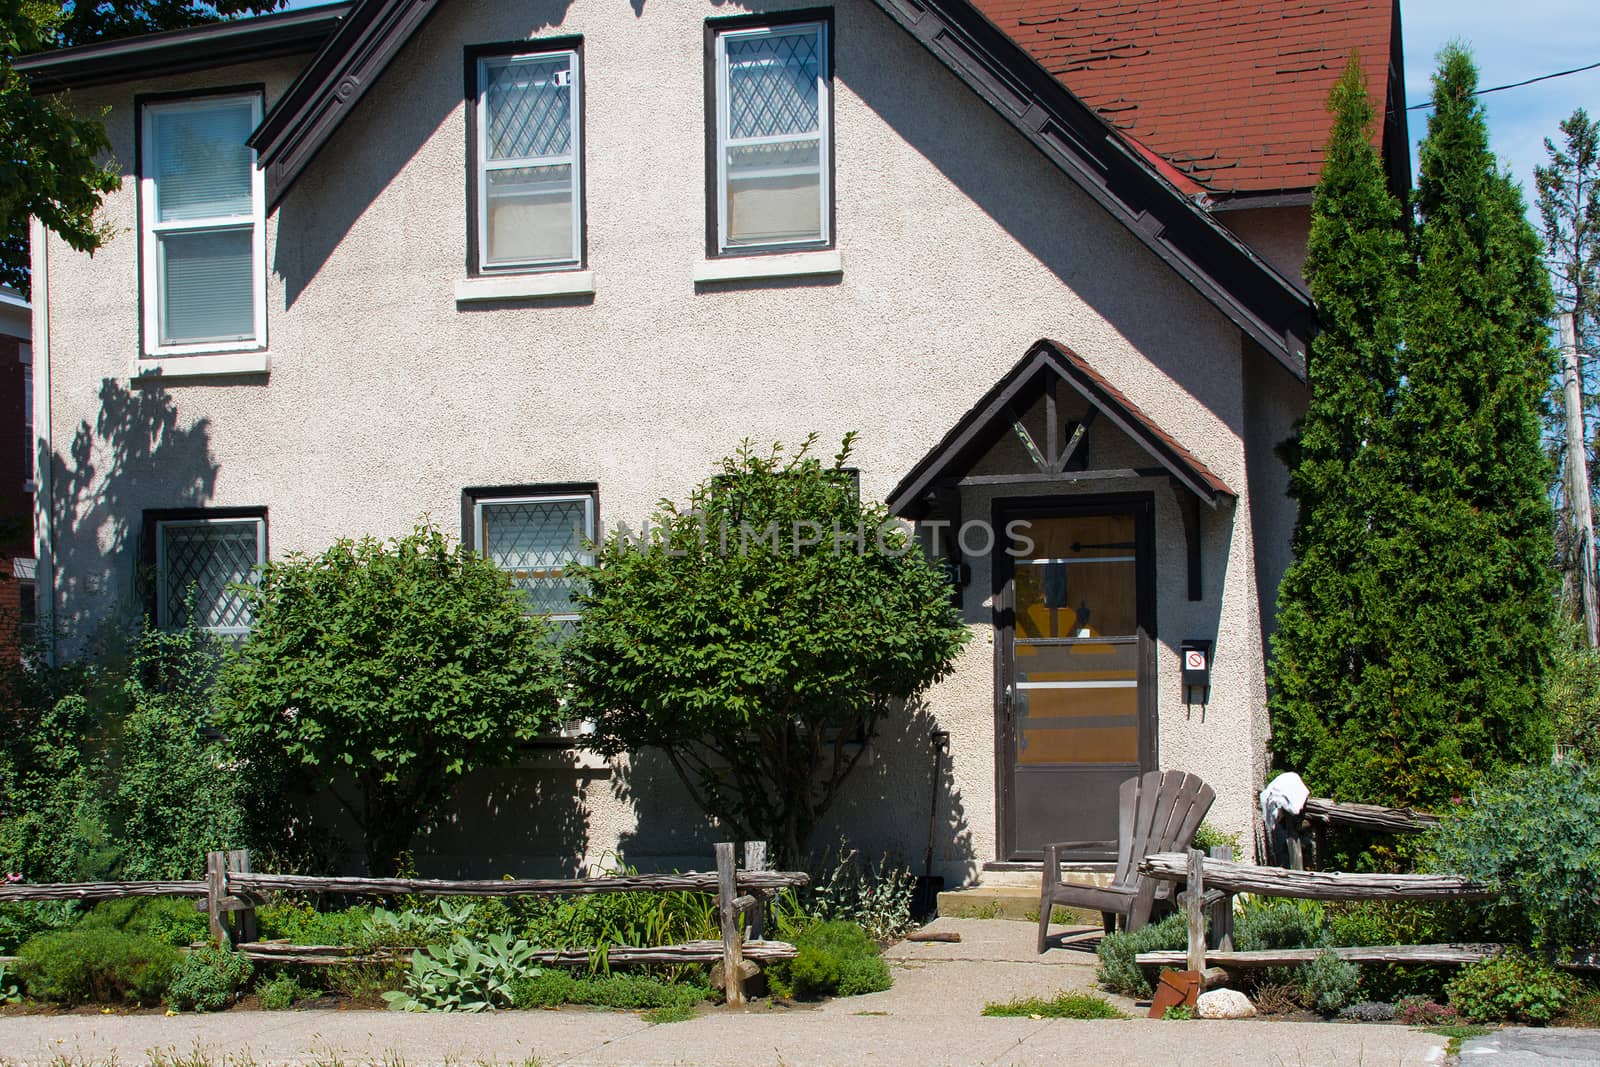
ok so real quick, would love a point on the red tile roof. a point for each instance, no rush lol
(1230, 92)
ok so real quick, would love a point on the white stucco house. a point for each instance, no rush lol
(530, 265)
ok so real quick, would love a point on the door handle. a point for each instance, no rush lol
(1007, 700)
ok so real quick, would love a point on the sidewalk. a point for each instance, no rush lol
(931, 1016)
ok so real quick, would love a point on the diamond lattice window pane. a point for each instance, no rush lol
(529, 103)
(772, 84)
(534, 540)
(199, 562)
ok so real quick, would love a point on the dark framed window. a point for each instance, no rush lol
(769, 92)
(534, 533)
(525, 149)
(199, 557)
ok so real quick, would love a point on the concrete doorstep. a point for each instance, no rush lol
(932, 1015)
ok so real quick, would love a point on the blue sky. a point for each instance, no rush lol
(1511, 41)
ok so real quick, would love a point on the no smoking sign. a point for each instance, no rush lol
(1194, 660)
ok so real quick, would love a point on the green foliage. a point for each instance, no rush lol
(208, 979)
(832, 959)
(1209, 837)
(1421, 1011)
(281, 992)
(1532, 835)
(874, 896)
(53, 819)
(102, 966)
(1514, 987)
(1061, 1006)
(463, 976)
(400, 665)
(1402, 923)
(301, 924)
(1178, 1013)
(10, 988)
(1330, 983)
(18, 922)
(670, 1013)
(172, 920)
(753, 638)
(1271, 923)
(1414, 625)
(1572, 693)
(1117, 970)
(631, 992)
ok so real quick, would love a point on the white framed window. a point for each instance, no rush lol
(534, 538)
(202, 226)
(772, 152)
(198, 560)
(529, 162)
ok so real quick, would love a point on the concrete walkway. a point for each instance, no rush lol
(1523, 1047)
(931, 1016)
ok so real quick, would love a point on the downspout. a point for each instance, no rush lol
(44, 452)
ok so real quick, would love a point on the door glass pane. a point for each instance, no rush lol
(202, 167)
(530, 215)
(774, 193)
(207, 283)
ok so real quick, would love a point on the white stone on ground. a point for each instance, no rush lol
(1224, 1004)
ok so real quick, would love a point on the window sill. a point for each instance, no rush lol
(752, 268)
(525, 286)
(202, 366)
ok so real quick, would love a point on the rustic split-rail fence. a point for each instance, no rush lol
(231, 891)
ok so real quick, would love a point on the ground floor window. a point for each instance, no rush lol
(534, 534)
(200, 560)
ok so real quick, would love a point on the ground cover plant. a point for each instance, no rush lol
(832, 959)
(99, 966)
(1117, 970)
(1061, 1006)
(208, 978)
(1513, 988)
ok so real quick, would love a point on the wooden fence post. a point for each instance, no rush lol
(1194, 904)
(1222, 911)
(728, 912)
(755, 859)
(244, 916)
(216, 889)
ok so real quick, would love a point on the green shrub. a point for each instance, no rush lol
(1265, 923)
(208, 979)
(1533, 836)
(1400, 923)
(301, 924)
(53, 819)
(10, 988)
(1330, 983)
(832, 959)
(1062, 1006)
(1572, 692)
(1209, 837)
(624, 991)
(20, 921)
(281, 992)
(1514, 987)
(102, 966)
(1117, 970)
(874, 896)
(172, 920)
(463, 976)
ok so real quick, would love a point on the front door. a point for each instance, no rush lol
(1075, 629)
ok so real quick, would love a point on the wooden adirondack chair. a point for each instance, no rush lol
(1157, 812)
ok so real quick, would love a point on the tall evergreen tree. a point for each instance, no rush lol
(1467, 562)
(1325, 640)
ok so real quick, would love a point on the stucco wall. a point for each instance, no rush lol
(961, 246)
(1278, 235)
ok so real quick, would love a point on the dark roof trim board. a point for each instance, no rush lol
(303, 119)
(987, 420)
(1254, 296)
(179, 51)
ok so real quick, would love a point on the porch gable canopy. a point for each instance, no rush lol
(1045, 365)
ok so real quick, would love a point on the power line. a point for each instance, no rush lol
(1516, 85)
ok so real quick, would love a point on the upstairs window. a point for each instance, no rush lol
(534, 538)
(202, 226)
(772, 154)
(198, 561)
(529, 162)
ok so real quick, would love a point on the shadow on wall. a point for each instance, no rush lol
(138, 454)
(669, 832)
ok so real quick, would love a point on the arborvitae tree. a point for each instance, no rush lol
(1325, 639)
(1466, 564)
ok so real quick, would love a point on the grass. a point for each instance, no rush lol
(1456, 1034)
(670, 1013)
(1064, 1006)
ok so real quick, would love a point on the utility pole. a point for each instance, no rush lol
(1578, 479)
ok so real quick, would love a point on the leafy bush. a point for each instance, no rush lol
(208, 979)
(1330, 983)
(1272, 923)
(281, 992)
(1062, 1006)
(172, 920)
(103, 966)
(1572, 692)
(404, 665)
(1532, 835)
(876, 897)
(832, 959)
(1420, 1011)
(53, 819)
(301, 924)
(1117, 970)
(20, 921)
(463, 976)
(625, 991)
(1401, 923)
(1368, 1011)
(1514, 987)
(734, 638)
(1209, 837)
